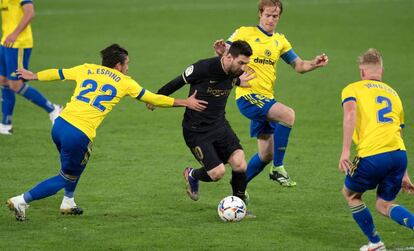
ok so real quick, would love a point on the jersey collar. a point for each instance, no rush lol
(265, 32)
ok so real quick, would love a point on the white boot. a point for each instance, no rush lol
(69, 206)
(19, 206)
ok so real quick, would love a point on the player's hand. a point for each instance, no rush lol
(344, 163)
(219, 47)
(406, 185)
(150, 107)
(196, 104)
(247, 75)
(320, 60)
(10, 39)
(25, 74)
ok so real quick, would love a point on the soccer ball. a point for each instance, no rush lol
(231, 209)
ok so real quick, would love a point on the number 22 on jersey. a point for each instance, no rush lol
(106, 93)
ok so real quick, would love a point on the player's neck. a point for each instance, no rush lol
(223, 65)
(372, 77)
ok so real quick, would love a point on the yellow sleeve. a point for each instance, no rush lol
(62, 74)
(135, 90)
(156, 99)
(286, 45)
(48, 75)
(348, 94)
(238, 34)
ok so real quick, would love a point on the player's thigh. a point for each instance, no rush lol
(364, 175)
(390, 185)
(202, 148)
(226, 144)
(255, 106)
(16, 58)
(281, 113)
(74, 147)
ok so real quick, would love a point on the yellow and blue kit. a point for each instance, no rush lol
(17, 56)
(255, 102)
(11, 16)
(98, 90)
(380, 117)
(382, 159)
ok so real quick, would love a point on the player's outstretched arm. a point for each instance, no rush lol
(164, 101)
(25, 74)
(303, 66)
(45, 75)
(349, 122)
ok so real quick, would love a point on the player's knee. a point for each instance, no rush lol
(240, 166)
(217, 173)
(70, 177)
(238, 161)
(15, 85)
(290, 116)
(383, 207)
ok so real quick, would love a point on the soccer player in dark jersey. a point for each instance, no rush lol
(207, 133)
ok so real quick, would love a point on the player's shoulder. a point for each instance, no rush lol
(247, 30)
(278, 35)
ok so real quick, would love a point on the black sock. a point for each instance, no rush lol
(239, 184)
(201, 174)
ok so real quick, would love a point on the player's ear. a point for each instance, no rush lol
(118, 67)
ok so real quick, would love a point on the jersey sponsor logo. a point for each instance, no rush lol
(218, 92)
(189, 70)
(268, 53)
(264, 61)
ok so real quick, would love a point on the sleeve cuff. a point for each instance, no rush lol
(402, 126)
(348, 99)
(289, 56)
(62, 77)
(141, 94)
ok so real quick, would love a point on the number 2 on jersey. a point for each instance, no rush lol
(91, 86)
(384, 111)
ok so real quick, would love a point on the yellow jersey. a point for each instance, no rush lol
(98, 90)
(267, 49)
(11, 15)
(380, 117)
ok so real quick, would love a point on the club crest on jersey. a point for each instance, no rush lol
(277, 43)
(234, 82)
(189, 70)
(268, 53)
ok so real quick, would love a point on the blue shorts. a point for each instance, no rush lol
(383, 171)
(12, 59)
(73, 145)
(256, 107)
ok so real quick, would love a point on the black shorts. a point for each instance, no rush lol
(213, 147)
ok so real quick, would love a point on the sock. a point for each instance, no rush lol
(7, 105)
(36, 97)
(280, 139)
(46, 188)
(255, 166)
(201, 174)
(238, 183)
(70, 188)
(402, 216)
(363, 218)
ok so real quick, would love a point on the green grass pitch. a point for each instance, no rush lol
(132, 190)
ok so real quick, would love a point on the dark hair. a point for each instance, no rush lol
(240, 47)
(266, 3)
(112, 55)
